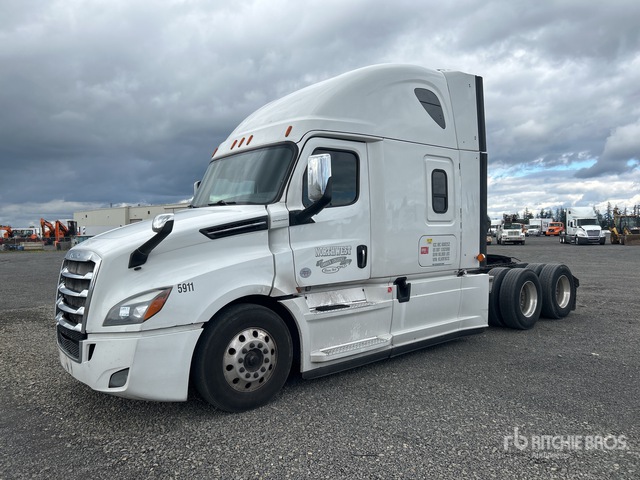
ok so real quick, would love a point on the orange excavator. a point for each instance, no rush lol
(48, 231)
(8, 231)
(54, 233)
(62, 231)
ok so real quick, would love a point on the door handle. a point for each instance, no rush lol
(362, 256)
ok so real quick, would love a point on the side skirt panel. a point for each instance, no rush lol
(393, 352)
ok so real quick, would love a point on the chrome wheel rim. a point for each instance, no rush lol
(249, 359)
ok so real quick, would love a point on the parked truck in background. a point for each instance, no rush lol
(495, 223)
(342, 224)
(537, 226)
(554, 229)
(510, 232)
(583, 227)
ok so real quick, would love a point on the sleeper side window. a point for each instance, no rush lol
(439, 193)
(344, 174)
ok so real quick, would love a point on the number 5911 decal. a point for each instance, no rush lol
(185, 287)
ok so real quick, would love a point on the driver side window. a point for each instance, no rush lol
(344, 174)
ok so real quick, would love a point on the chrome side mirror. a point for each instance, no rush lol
(318, 174)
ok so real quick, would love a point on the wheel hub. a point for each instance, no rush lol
(563, 291)
(528, 299)
(249, 359)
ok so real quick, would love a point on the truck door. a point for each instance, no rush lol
(335, 247)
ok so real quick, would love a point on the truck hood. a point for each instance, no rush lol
(186, 230)
(205, 246)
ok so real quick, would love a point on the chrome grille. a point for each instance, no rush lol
(77, 276)
(593, 233)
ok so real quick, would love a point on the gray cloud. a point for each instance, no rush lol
(112, 102)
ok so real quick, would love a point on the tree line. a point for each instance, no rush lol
(560, 214)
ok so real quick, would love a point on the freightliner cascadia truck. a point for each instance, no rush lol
(583, 227)
(340, 225)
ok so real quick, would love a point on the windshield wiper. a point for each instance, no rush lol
(221, 202)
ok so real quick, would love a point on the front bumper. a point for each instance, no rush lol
(588, 240)
(152, 365)
(512, 239)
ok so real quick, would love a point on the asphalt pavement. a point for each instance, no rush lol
(559, 401)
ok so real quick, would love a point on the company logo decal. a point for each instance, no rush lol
(332, 251)
(333, 265)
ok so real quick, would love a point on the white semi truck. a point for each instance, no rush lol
(583, 227)
(340, 225)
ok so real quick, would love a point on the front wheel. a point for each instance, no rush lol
(243, 358)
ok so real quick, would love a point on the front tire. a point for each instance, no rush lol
(243, 358)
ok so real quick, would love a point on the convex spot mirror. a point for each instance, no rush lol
(318, 174)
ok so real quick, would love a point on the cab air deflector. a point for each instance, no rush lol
(236, 228)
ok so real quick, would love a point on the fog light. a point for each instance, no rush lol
(119, 379)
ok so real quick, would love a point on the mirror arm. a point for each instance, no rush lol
(304, 216)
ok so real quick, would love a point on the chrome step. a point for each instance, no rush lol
(351, 348)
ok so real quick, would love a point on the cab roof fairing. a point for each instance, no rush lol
(376, 101)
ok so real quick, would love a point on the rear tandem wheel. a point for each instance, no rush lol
(520, 298)
(558, 291)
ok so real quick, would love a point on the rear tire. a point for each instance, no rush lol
(520, 299)
(243, 358)
(495, 317)
(536, 267)
(558, 291)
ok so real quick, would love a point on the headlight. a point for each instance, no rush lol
(581, 233)
(137, 309)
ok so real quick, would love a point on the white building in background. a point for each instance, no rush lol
(94, 222)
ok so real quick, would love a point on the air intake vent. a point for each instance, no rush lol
(432, 105)
(236, 228)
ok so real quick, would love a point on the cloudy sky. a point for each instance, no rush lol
(109, 102)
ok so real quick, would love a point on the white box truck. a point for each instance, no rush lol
(340, 225)
(495, 223)
(582, 227)
(537, 226)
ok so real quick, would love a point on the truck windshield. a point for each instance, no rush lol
(583, 222)
(254, 177)
(512, 226)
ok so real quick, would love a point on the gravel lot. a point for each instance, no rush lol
(443, 412)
